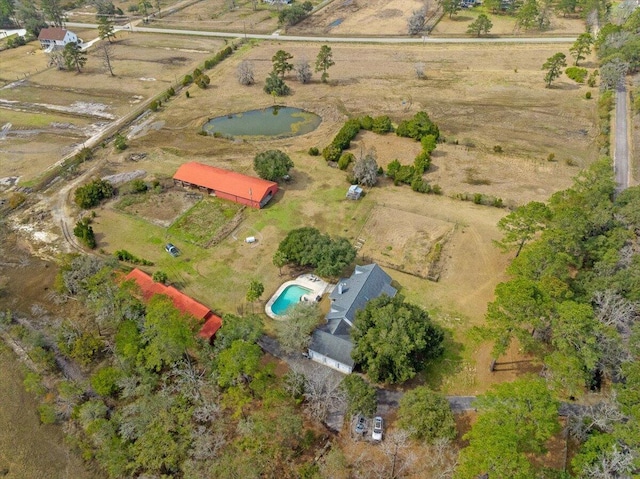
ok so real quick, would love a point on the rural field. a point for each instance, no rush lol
(480, 96)
(52, 111)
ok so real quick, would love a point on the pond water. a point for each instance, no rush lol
(278, 121)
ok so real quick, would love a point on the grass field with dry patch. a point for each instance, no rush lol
(51, 111)
(481, 96)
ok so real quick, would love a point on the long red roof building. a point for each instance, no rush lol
(181, 301)
(243, 189)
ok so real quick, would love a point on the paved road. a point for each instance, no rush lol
(621, 142)
(329, 39)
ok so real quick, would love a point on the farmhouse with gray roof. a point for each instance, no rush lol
(331, 343)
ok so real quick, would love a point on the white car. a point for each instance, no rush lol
(376, 434)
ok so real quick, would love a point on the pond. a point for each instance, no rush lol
(277, 121)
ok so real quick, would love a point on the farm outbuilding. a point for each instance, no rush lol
(226, 184)
(182, 302)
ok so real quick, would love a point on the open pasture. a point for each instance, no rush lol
(217, 15)
(51, 111)
(504, 24)
(403, 240)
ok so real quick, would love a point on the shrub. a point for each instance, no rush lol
(313, 151)
(345, 160)
(133, 8)
(422, 162)
(420, 125)
(429, 143)
(120, 142)
(274, 85)
(187, 80)
(347, 133)
(16, 41)
(105, 381)
(366, 123)
(154, 105)
(497, 149)
(419, 185)
(382, 124)
(187, 94)
(331, 153)
(588, 95)
(171, 91)
(551, 157)
(84, 232)
(591, 81)
(577, 74)
(160, 277)
(124, 255)
(202, 81)
(93, 193)
(47, 414)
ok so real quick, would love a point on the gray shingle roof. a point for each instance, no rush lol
(334, 347)
(333, 339)
(367, 282)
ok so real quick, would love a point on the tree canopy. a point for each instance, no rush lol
(308, 247)
(272, 165)
(295, 329)
(393, 339)
(554, 66)
(324, 60)
(515, 420)
(426, 415)
(361, 396)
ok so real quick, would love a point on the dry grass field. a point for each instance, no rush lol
(51, 111)
(218, 16)
(505, 25)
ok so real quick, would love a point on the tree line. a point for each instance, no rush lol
(573, 300)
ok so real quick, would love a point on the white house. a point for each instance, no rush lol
(331, 343)
(56, 37)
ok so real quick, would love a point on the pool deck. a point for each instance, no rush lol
(309, 281)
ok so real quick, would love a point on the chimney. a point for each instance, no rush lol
(340, 287)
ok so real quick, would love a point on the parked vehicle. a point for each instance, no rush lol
(172, 250)
(361, 424)
(376, 434)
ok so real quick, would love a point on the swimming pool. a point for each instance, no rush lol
(289, 296)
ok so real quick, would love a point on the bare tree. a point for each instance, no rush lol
(105, 53)
(395, 461)
(322, 391)
(617, 462)
(599, 417)
(612, 73)
(612, 309)
(442, 459)
(244, 73)
(419, 69)
(303, 70)
(56, 59)
(417, 21)
(365, 171)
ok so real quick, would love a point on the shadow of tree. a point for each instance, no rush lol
(449, 364)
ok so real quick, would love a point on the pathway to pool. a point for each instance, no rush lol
(306, 287)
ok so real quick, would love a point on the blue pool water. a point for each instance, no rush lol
(290, 295)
